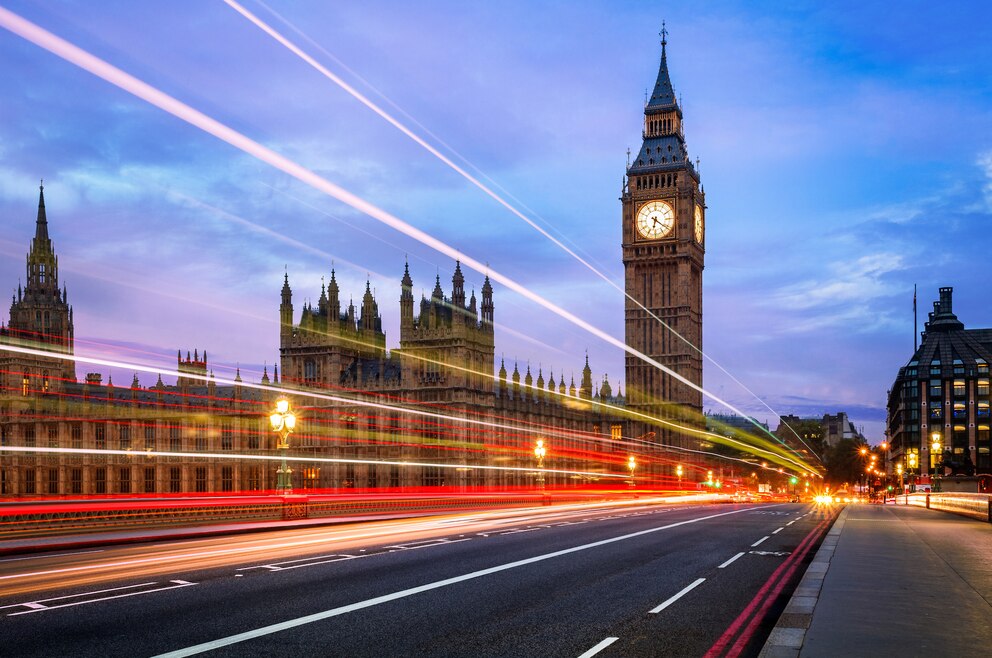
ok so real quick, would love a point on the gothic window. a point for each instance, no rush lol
(227, 478)
(201, 479)
(101, 480)
(76, 481)
(175, 483)
(150, 479)
(309, 370)
(124, 481)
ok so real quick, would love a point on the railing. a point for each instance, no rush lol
(974, 505)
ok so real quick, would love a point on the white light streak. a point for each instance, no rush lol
(100, 68)
(323, 460)
(364, 100)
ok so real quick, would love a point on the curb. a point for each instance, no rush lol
(787, 638)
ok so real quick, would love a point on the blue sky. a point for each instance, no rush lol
(846, 153)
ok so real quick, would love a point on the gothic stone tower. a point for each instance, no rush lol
(40, 318)
(663, 213)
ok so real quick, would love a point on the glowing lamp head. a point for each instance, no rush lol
(282, 405)
(631, 462)
(276, 420)
(539, 449)
(678, 470)
(290, 421)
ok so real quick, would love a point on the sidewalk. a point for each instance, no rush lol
(893, 581)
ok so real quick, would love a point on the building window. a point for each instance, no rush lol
(30, 485)
(982, 366)
(254, 478)
(227, 478)
(960, 411)
(201, 479)
(76, 481)
(100, 436)
(982, 410)
(226, 437)
(175, 482)
(959, 388)
(175, 439)
(53, 481)
(53, 436)
(616, 431)
(125, 437)
(76, 435)
(124, 483)
(29, 440)
(983, 387)
(936, 410)
(101, 480)
(254, 441)
(936, 390)
(201, 438)
(150, 437)
(958, 367)
(935, 368)
(150, 479)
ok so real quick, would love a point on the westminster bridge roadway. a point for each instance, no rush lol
(663, 579)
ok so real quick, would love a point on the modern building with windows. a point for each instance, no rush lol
(938, 406)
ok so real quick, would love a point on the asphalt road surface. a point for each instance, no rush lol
(631, 579)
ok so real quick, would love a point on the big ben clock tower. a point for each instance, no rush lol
(664, 213)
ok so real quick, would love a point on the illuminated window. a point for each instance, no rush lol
(982, 366)
(960, 412)
(959, 388)
(983, 433)
(936, 410)
(983, 387)
(24, 386)
(982, 409)
(616, 432)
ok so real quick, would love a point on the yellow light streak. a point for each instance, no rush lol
(102, 69)
(364, 100)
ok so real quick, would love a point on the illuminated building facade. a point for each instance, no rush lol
(943, 393)
(663, 217)
(434, 400)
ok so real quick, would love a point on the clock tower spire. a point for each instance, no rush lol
(663, 209)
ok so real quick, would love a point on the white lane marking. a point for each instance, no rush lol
(760, 540)
(368, 603)
(790, 523)
(730, 561)
(44, 555)
(74, 596)
(599, 647)
(778, 531)
(688, 588)
(179, 584)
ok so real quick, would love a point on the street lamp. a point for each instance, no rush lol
(283, 423)
(935, 453)
(631, 464)
(539, 452)
(899, 471)
(678, 471)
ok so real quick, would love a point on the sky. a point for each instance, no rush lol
(845, 149)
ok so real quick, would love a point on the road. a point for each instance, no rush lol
(631, 579)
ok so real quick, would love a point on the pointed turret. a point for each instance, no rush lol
(516, 380)
(265, 374)
(585, 392)
(502, 377)
(663, 95)
(487, 303)
(41, 227)
(458, 287)
(286, 308)
(406, 299)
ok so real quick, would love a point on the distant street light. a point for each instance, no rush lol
(539, 452)
(935, 454)
(678, 471)
(631, 464)
(283, 423)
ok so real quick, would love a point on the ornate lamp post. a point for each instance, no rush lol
(283, 423)
(539, 452)
(631, 465)
(935, 453)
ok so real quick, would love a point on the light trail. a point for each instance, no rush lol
(115, 76)
(319, 460)
(771, 456)
(364, 100)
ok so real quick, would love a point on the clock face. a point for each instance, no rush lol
(699, 224)
(655, 219)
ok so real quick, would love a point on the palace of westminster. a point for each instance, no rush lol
(438, 402)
